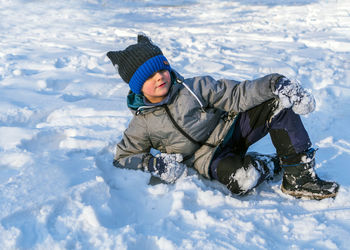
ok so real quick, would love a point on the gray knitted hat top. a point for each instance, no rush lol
(138, 62)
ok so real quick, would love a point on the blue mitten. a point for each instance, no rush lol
(167, 167)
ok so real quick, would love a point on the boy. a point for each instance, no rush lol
(209, 125)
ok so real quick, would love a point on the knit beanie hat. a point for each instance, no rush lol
(138, 62)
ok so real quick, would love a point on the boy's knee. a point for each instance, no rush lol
(226, 169)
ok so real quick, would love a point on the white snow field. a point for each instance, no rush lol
(63, 109)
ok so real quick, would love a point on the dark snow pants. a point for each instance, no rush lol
(286, 130)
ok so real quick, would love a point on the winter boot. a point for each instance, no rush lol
(240, 177)
(300, 179)
(269, 164)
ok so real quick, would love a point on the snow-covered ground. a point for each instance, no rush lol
(62, 110)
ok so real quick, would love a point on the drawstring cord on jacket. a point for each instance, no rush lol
(192, 93)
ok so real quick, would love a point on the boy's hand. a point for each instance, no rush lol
(292, 95)
(167, 167)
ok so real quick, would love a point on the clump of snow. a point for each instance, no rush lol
(246, 178)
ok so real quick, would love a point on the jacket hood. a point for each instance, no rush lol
(135, 101)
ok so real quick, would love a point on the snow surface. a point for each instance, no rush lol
(62, 110)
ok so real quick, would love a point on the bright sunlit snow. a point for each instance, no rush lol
(63, 109)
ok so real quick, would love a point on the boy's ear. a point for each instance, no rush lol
(113, 56)
(142, 38)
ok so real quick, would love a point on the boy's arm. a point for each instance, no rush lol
(133, 151)
(236, 96)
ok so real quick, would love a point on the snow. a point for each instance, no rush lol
(63, 109)
(246, 178)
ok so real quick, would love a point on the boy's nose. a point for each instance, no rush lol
(159, 76)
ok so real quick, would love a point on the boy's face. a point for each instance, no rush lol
(156, 87)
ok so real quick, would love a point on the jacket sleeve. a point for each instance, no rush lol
(133, 151)
(236, 96)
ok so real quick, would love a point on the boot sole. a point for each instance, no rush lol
(305, 194)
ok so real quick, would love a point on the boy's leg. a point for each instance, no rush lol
(292, 144)
(286, 129)
(241, 172)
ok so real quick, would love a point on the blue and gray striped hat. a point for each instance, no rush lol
(138, 62)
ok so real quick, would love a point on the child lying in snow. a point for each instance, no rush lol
(209, 125)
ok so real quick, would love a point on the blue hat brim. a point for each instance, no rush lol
(151, 66)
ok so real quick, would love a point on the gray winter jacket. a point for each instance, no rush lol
(203, 107)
